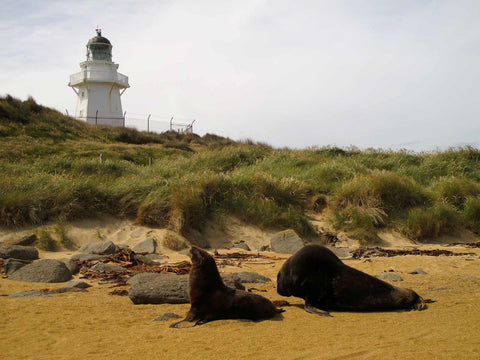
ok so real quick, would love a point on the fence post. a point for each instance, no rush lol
(96, 114)
(101, 158)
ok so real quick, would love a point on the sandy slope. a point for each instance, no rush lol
(97, 325)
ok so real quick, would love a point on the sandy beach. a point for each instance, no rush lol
(95, 324)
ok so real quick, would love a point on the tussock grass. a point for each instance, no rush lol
(424, 224)
(46, 242)
(50, 169)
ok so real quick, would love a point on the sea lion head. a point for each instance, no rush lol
(200, 257)
(285, 280)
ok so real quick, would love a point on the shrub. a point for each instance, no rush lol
(422, 224)
(455, 190)
(63, 238)
(471, 214)
(174, 242)
(383, 189)
(46, 242)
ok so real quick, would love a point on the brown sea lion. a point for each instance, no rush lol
(211, 300)
(317, 275)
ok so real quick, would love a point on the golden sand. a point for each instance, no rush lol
(96, 325)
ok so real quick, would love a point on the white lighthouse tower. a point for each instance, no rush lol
(99, 86)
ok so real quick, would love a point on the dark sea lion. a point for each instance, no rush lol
(211, 300)
(317, 275)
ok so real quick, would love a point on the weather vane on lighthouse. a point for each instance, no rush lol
(99, 86)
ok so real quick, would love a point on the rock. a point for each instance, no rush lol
(148, 246)
(341, 252)
(121, 247)
(286, 242)
(107, 267)
(232, 281)
(263, 248)
(167, 317)
(18, 252)
(389, 276)
(78, 284)
(47, 270)
(99, 247)
(87, 257)
(71, 265)
(149, 259)
(154, 288)
(27, 240)
(12, 265)
(418, 272)
(250, 277)
(241, 245)
(65, 289)
(28, 294)
(158, 288)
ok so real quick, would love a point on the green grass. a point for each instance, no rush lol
(51, 171)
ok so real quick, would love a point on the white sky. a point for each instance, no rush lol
(378, 73)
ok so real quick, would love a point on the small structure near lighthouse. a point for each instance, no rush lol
(99, 86)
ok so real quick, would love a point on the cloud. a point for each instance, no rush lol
(364, 73)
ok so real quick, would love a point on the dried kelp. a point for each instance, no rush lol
(365, 253)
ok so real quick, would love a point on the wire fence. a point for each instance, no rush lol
(146, 122)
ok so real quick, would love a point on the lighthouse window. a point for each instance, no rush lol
(83, 93)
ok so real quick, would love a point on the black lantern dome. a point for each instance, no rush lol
(99, 48)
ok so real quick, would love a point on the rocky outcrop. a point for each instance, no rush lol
(47, 270)
(286, 242)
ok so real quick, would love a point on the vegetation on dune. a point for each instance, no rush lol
(51, 170)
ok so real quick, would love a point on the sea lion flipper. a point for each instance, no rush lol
(313, 310)
(421, 304)
(183, 324)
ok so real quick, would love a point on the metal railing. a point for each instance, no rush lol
(99, 76)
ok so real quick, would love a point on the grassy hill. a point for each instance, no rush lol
(51, 171)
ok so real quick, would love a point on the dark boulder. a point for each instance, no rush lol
(250, 277)
(18, 252)
(27, 240)
(87, 257)
(286, 242)
(12, 265)
(47, 270)
(155, 288)
(147, 246)
(99, 247)
(107, 267)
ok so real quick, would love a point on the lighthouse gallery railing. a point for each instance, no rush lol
(100, 76)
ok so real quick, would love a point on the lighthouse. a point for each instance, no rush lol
(99, 86)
